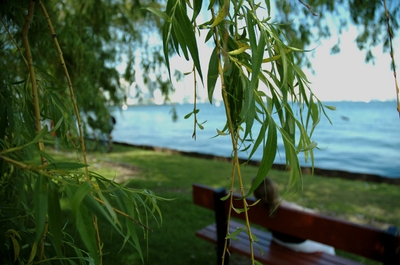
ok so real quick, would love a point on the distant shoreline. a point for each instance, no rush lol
(306, 170)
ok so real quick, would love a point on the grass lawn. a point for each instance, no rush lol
(171, 176)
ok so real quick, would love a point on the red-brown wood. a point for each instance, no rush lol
(271, 253)
(362, 240)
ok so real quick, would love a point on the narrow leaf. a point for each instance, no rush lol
(268, 157)
(159, 13)
(197, 4)
(225, 197)
(330, 107)
(223, 11)
(212, 74)
(65, 165)
(40, 205)
(54, 215)
(83, 220)
(235, 233)
(33, 253)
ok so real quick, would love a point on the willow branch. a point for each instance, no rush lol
(234, 138)
(195, 102)
(125, 215)
(42, 241)
(227, 111)
(15, 43)
(308, 7)
(71, 91)
(37, 169)
(35, 95)
(390, 33)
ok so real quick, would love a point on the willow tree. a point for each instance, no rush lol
(256, 64)
(58, 62)
(306, 22)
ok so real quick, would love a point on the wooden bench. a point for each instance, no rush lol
(362, 240)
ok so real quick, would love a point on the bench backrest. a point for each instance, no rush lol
(366, 241)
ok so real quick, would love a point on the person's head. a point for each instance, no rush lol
(267, 193)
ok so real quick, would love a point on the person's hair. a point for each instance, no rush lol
(268, 194)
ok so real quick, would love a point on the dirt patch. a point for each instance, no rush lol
(123, 171)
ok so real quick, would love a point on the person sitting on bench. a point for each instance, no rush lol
(268, 194)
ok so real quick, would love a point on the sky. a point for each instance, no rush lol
(343, 76)
(346, 76)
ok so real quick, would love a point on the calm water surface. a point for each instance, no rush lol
(363, 137)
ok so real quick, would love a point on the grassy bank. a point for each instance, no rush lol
(171, 176)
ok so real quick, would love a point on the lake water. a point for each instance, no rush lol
(363, 137)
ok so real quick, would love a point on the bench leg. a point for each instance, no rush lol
(390, 246)
(221, 218)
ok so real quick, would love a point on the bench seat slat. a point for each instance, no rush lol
(272, 252)
(363, 240)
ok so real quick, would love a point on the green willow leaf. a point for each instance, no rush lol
(179, 36)
(40, 204)
(97, 208)
(187, 116)
(212, 74)
(65, 165)
(268, 157)
(159, 13)
(83, 220)
(180, 31)
(103, 189)
(257, 50)
(260, 138)
(310, 146)
(249, 106)
(225, 197)
(234, 234)
(41, 134)
(166, 35)
(238, 210)
(128, 200)
(292, 160)
(189, 34)
(84, 223)
(54, 216)
(197, 4)
(330, 107)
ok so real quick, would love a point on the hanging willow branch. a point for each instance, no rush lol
(14, 42)
(31, 68)
(71, 91)
(36, 105)
(248, 53)
(390, 34)
(81, 138)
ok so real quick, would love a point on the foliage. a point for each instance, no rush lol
(250, 50)
(41, 74)
(172, 175)
(255, 63)
(305, 22)
(95, 38)
(59, 61)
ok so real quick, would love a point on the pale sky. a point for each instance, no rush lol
(346, 76)
(343, 76)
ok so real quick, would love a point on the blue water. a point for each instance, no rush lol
(363, 137)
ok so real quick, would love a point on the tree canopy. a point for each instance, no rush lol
(306, 22)
(95, 37)
(59, 61)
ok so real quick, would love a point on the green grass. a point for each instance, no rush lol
(171, 176)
